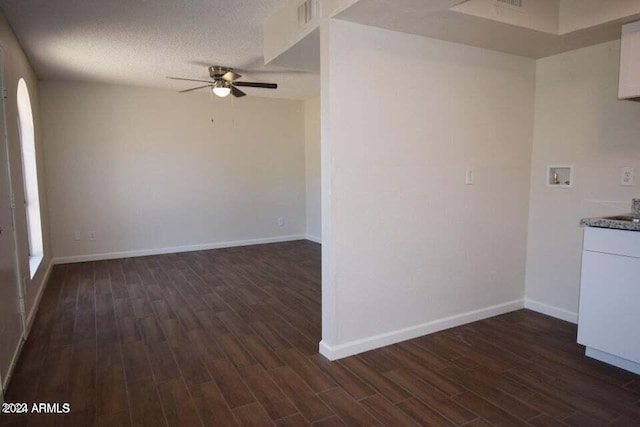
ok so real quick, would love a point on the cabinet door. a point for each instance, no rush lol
(609, 318)
(629, 86)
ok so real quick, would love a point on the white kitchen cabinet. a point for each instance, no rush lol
(629, 86)
(609, 315)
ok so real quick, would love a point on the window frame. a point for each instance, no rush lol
(29, 158)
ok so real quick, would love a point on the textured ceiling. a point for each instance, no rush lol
(140, 42)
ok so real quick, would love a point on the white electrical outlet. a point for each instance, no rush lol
(92, 235)
(626, 179)
(469, 177)
(281, 222)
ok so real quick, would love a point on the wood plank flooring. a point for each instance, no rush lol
(229, 337)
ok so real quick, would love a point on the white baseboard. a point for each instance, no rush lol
(12, 365)
(313, 238)
(175, 249)
(359, 346)
(36, 303)
(29, 322)
(550, 310)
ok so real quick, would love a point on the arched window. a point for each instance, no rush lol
(30, 176)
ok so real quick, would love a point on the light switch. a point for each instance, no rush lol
(626, 180)
(469, 177)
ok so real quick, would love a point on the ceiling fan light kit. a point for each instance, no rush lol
(224, 82)
(221, 89)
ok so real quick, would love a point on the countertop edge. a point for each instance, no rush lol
(610, 223)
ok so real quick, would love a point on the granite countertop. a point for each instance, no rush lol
(616, 222)
(611, 223)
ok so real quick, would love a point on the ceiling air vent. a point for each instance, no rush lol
(516, 4)
(307, 11)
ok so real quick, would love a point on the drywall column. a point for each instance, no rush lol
(329, 296)
(408, 248)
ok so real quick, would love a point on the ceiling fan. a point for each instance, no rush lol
(224, 82)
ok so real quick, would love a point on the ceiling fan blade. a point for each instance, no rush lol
(195, 88)
(231, 76)
(190, 80)
(237, 92)
(256, 84)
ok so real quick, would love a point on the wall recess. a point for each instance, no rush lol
(560, 176)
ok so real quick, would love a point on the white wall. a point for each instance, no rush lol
(407, 244)
(539, 15)
(282, 31)
(579, 14)
(151, 170)
(578, 120)
(312, 168)
(16, 66)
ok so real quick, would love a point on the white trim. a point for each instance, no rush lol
(36, 303)
(377, 341)
(175, 249)
(625, 364)
(12, 365)
(550, 310)
(34, 264)
(25, 333)
(313, 238)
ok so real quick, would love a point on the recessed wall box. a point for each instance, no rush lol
(560, 176)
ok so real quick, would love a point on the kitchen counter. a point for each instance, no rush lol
(616, 222)
(607, 222)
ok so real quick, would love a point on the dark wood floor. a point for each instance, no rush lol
(230, 337)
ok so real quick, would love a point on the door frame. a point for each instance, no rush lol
(6, 169)
(4, 135)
